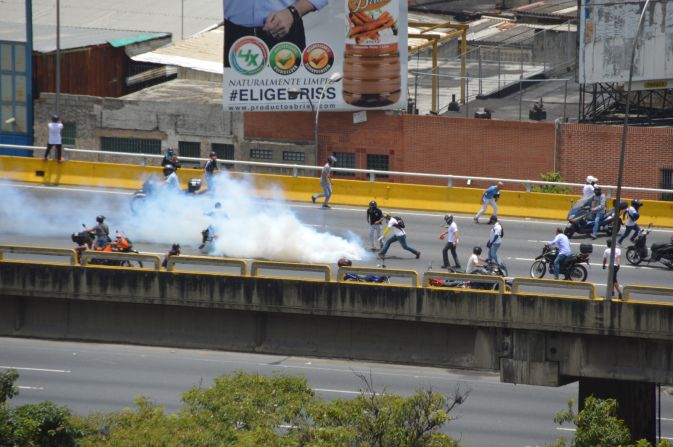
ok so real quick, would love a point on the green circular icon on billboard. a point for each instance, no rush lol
(248, 55)
(285, 58)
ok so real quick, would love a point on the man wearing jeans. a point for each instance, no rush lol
(563, 244)
(598, 208)
(494, 242)
(326, 182)
(398, 235)
(489, 198)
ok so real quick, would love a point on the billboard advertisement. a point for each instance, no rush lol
(606, 34)
(342, 55)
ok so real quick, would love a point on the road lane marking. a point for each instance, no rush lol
(327, 390)
(566, 429)
(36, 388)
(60, 188)
(20, 368)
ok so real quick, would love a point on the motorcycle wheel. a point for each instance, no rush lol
(501, 270)
(136, 203)
(569, 231)
(577, 273)
(608, 228)
(633, 256)
(538, 269)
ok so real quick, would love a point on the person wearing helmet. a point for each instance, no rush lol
(374, 219)
(326, 182)
(174, 251)
(632, 214)
(475, 264)
(171, 158)
(451, 236)
(55, 129)
(396, 224)
(588, 189)
(102, 232)
(210, 169)
(171, 178)
(490, 197)
(598, 208)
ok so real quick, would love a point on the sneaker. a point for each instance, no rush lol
(418, 254)
(381, 255)
(326, 206)
(476, 219)
(457, 267)
(445, 266)
(592, 236)
(313, 199)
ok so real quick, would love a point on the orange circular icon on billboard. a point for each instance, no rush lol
(318, 58)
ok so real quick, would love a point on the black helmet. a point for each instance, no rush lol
(100, 218)
(169, 169)
(636, 203)
(194, 184)
(343, 262)
(476, 250)
(597, 190)
(448, 219)
(213, 154)
(372, 204)
(55, 118)
(175, 248)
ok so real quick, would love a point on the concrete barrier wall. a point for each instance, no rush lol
(346, 192)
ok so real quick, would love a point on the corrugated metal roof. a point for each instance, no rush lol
(552, 8)
(44, 36)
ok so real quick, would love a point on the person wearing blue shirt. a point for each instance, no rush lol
(561, 241)
(489, 198)
(272, 21)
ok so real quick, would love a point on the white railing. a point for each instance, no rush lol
(372, 173)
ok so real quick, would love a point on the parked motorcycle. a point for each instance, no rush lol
(491, 268)
(572, 269)
(383, 279)
(638, 252)
(581, 219)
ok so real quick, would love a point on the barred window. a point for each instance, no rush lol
(378, 162)
(345, 160)
(667, 183)
(130, 145)
(224, 152)
(189, 149)
(261, 154)
(69, 134)
(294, 156)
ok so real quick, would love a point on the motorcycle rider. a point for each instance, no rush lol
(561, 241)
(102, 233)
(631, 215)
(171, 177)
(475, 264)
(588, 190)
(374, 219)
(598, 208)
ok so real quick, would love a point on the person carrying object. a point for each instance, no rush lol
(451, 236)
(396, 224)
(632, 214)
(561, 241)
(375, 220)
(326, 182)
(489, 197)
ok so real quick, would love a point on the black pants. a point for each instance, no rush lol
(445, 254)
(233, 32)
(59, 148)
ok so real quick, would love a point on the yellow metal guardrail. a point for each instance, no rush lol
(554, 284)
(293, 266)
(205, 260)
(650, 290)
(487, 279)
(88, 255)
(399, 273)
(21, 249)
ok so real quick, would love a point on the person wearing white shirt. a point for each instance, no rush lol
(494, 242)
(618, 261)
(631, 214)
(399, 234)
(561, 241)
(451, 236)
(55, 128)
(588, 190)
(475, 263)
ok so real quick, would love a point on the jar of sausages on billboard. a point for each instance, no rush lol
(371, 57)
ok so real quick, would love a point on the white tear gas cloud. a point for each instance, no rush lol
(246, 226)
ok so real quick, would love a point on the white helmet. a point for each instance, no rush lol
(591, 179)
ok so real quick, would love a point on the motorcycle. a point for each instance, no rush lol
(581, 219)
(638, 252)
(154, 184)
(367, 278)
(120, 244)
(491, 268)
(572, 269)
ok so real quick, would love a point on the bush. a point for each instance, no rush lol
(552, 176)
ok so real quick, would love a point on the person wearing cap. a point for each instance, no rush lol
(55, 128)
(489, 197)
(588, 190)
(210, 169)
(326, 182)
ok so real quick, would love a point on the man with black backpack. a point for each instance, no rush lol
(399, 234)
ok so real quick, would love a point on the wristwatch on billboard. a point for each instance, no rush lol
(295, 14)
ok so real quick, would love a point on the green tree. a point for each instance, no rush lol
(552, 176)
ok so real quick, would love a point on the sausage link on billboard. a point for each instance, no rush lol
(287, 55)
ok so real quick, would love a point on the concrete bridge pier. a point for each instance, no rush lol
(637, 403)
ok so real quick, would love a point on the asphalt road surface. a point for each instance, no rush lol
(523, 241)
(89, 377)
